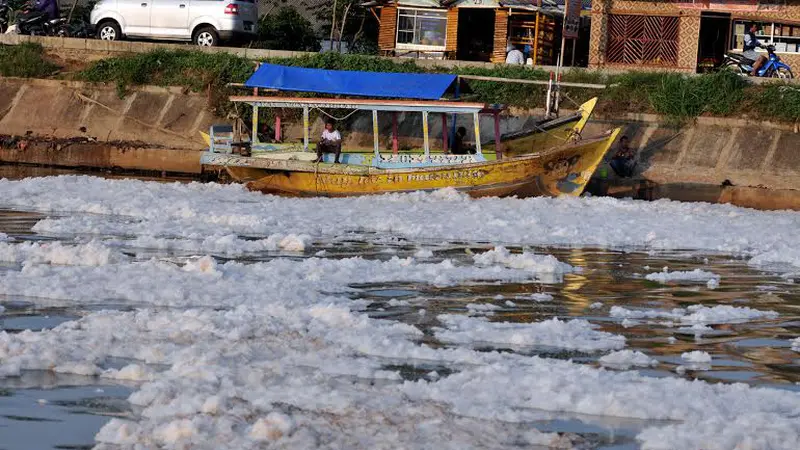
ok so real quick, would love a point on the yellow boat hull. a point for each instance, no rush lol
(565, 170)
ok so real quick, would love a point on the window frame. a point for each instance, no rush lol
(416, 17)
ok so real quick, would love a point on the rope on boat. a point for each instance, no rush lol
(338, 119)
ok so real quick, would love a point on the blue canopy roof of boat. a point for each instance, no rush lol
(367, 84)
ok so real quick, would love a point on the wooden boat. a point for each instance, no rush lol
(560, 171)
(562, 165)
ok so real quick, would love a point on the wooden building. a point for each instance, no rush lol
(469, 30)
(687, 35)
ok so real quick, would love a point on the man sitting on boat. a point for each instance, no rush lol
(459, 147)
(331, 142)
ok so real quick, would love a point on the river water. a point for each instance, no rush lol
(46, 409)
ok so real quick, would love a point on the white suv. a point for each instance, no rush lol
(204, 22)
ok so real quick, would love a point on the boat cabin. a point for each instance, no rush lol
(389, 93)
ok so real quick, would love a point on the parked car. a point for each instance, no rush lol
(204, 22)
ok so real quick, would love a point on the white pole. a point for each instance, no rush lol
(375, 140)
(305, 129)
(476, 118)
(425, 134)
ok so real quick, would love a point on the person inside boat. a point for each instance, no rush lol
(331, 142)
(749, 49)
(266, 133)
(624, 161)
(459, 147)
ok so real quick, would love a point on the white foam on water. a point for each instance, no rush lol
(541, 297)
(625, 359)
(524, 261)
(94, 253)
(228, 245)
(696, 357)
(194, 209)
(570, 335)
(275, 353)
(693, 275)
(795, 344)
(696, 314)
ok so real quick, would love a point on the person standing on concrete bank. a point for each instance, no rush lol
(749, 49)
(624, 161)
(331, 142)
(515, 57)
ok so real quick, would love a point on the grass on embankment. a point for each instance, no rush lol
(678, 97)
(25, 61)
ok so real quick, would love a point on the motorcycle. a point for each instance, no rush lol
(5, 15)
(36, 23)
(773, 68)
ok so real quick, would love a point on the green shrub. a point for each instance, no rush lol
(25, 61)
(774, 102)
(678, 97)
(286, 29)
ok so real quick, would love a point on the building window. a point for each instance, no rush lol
(785, 38)
(421, 29)
(648, 40)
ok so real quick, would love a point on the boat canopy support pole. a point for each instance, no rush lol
(375, 137)
(476, 118)
(498, 144)
(444, 134)
(278, 136)
(395, 138)
(454, 116)
(425, 136)
(254, 131)
(305, 129)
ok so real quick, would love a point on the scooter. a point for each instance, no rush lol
(773, 68)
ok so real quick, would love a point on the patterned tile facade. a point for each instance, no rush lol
(689, 33)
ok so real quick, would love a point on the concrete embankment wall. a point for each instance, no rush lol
(712, 150)
(164, 117)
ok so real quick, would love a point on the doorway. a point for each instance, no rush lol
(713, 44)
(475, 34)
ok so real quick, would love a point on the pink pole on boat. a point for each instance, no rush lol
(498, 145)
(395, 143)
(444, 133)
(277, 128)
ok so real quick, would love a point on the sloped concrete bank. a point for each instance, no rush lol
(161, 117)
(154, 129)
(744, 162)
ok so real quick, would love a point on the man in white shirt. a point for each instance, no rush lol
(331, 142)
(515, 57)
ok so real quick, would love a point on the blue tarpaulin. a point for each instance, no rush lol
(367, 84)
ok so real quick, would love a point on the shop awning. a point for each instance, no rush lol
(362, 84)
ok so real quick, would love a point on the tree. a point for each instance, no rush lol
(286, 29)
(346, 21)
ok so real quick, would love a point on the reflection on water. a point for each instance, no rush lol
(47, 411)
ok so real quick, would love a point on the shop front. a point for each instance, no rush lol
(470, 30)
(687, 35)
